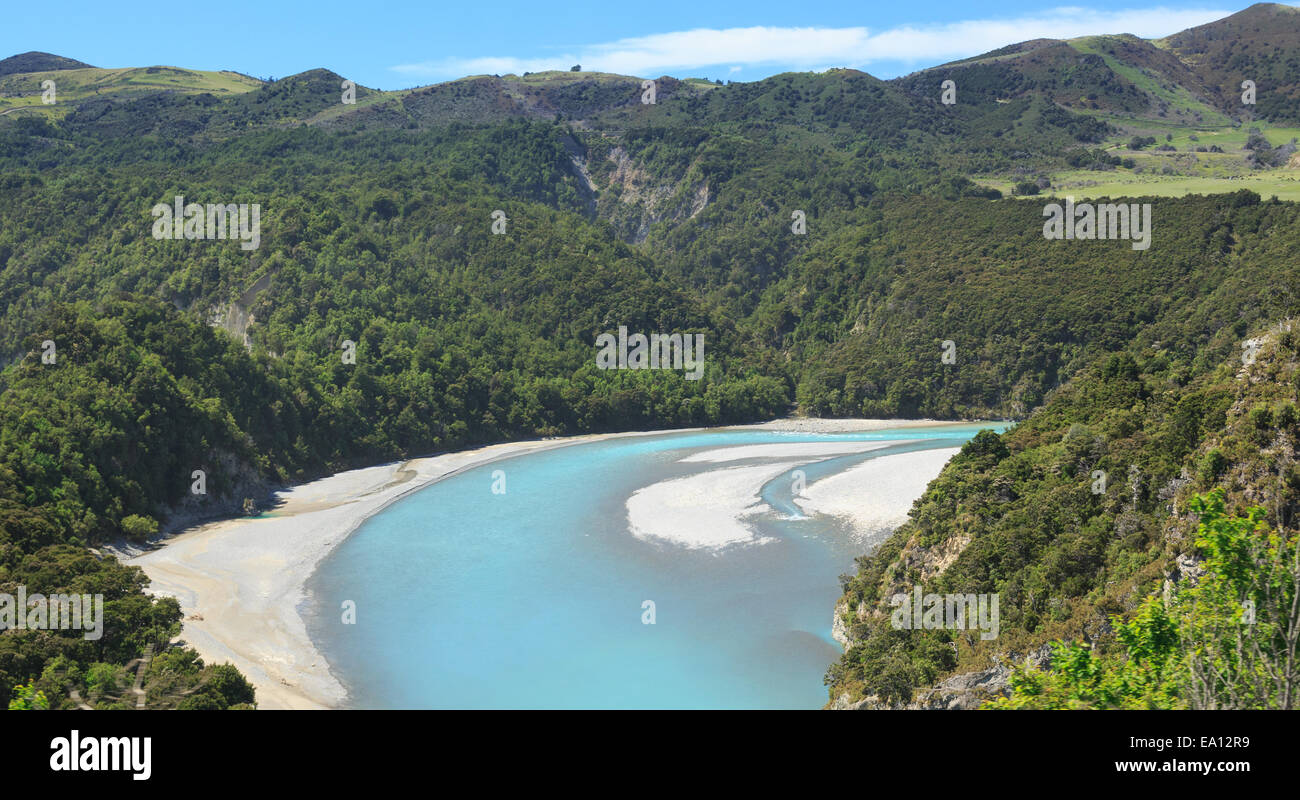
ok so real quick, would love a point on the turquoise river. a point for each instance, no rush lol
(537, 597)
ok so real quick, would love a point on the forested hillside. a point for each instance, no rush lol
(1074, 559)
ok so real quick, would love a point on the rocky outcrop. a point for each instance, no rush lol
(964, 691)
(961, 692)
(839, 632)
(229, 481)
(1186, 568)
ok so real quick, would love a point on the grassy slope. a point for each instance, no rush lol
(1182, 101)
(23, 91)
(1178, 173)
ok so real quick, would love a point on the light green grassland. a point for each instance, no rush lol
(1283, 184)
(1179, 172)
(1083, 184)
(23, 91)
(1230, 139)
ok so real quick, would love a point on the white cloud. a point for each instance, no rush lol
(923, 45)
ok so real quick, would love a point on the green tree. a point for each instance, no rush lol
(1228, 641)
(28, 698)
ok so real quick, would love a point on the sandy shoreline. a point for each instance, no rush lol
(875, 495)
(240, 581)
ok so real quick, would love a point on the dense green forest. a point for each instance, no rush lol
(821, 231)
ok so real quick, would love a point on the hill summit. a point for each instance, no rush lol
(36, 61)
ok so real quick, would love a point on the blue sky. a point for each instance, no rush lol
(404, 44)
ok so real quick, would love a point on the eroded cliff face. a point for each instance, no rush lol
(236, 317)
(235, 320)
(634, 200)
